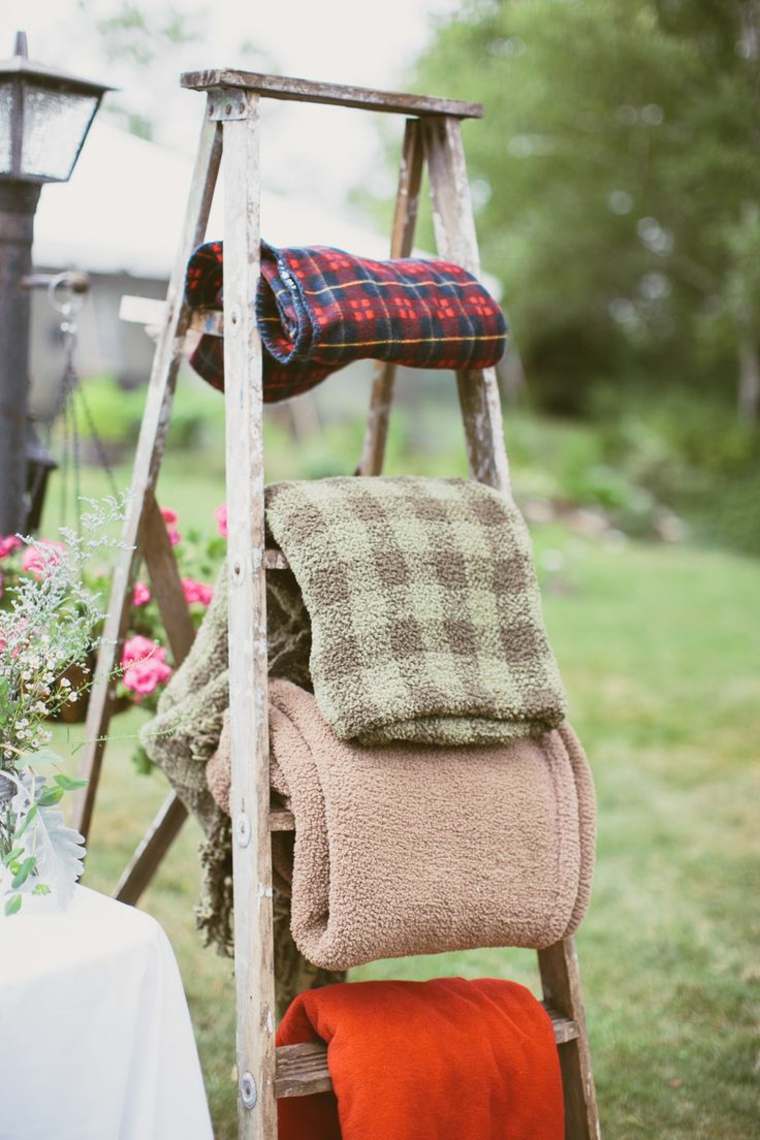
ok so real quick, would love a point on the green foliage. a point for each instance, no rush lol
(22, 871)
(50, 797)
(692, 454)
(730, 514)
(13, 905)
(141, 761)
(117, 413)
(618, 182)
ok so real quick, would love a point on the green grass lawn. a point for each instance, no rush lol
(660, 650)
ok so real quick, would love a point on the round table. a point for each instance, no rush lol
(95, 1036)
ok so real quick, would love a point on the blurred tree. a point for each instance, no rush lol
(147, 43)
(618, 183)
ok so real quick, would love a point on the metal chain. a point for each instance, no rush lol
(67, 302)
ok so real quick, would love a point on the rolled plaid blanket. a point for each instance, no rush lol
(319, 309)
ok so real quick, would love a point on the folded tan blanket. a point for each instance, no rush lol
(409, 849)
(424, 607)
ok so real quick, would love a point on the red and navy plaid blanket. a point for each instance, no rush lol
(319, 308)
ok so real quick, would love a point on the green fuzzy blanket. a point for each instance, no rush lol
(424, 607)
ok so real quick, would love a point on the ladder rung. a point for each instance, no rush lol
(208, 321)
(302, 1069)
(150, 311)
(281, 820)
(275, 560)
(310, 91)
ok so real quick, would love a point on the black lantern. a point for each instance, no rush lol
(45, 116)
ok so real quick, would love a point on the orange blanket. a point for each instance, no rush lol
(447, 1059)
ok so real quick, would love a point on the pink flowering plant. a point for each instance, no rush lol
(49, 620)
(146, 664)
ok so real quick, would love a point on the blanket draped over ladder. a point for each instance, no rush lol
(413, 849)
(318, 309)
(425, 612)
(449, 1060)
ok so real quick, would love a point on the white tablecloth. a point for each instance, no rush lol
(95, 1036)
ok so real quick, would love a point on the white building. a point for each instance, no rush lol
(119, 219)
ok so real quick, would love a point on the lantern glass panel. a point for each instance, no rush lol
(6, 119)
(55, 126)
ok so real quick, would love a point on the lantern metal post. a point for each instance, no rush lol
(45, 116)
(18, 201)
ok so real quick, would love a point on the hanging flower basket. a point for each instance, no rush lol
(79, 676)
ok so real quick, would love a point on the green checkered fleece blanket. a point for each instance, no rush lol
(425, 610)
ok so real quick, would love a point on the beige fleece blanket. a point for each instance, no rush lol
(412, 849)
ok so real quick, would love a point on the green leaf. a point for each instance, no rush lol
(30, 815)
(24, 871)
(144, 766)
(50, 796)
(42, 756)
(59, 852)
(13, 904)
(13, 856)
(68, 783)
(41, 889)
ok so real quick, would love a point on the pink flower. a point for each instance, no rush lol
(140, 594)
(8, 543)
(171, 519)
(197, 591)
(38, 558)
(143, 677)
(138, 649)
(221, 520)
(144, 664)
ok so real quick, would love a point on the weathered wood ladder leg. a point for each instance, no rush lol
(249, 729)
(454, 224)
(561, 984)
(481, 411)
(402, 241)
(142, 511)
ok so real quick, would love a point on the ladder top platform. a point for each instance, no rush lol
(309, 91)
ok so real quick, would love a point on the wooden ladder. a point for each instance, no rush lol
(231, 126)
